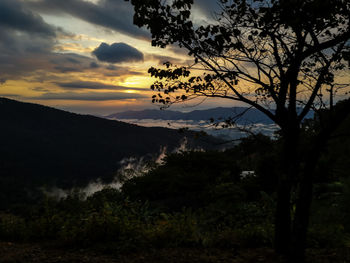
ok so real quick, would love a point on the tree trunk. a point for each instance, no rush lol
(301, 221)
(303, 205)
(283, 218)
(283, 209)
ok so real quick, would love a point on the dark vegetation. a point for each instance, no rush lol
(197, 201)
(42, 146)
(283, 58)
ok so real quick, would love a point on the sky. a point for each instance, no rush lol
(84, 56)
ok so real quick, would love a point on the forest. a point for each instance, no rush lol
(194, 201)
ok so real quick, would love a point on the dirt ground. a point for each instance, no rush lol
(47, 253)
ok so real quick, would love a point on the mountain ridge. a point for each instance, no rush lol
(40, 145)
(250, 115)
(241, 115)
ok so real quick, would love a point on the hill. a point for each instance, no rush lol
(249, 117)
(241, 115)
(44, 146)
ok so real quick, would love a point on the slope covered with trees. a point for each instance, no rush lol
(193, 207)
(42, 146)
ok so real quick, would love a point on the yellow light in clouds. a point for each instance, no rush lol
(131, 91)
(19, 87)
(138, 81)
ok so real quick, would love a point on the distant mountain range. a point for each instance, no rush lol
(249, 116)
(242, 115)
(44, 146)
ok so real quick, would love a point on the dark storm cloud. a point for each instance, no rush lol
(90, 96)
(92, 85)
(112, 14)
(15, 16)
(117, 53)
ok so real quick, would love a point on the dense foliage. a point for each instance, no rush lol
(42, 146)
(281, 57)
(192, 199)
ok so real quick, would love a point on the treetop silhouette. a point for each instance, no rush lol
(282, 57)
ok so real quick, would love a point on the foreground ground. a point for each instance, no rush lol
(30, 253)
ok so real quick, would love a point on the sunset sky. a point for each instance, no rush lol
(79, 55)
(86, 56)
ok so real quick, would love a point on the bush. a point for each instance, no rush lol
(328, 236)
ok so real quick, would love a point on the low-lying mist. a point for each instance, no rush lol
(235, 132)
(129, 167)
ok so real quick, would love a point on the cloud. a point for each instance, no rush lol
(111, 67)
(117, 53)
(9, 95)
(92, 85)
(112, 14)
(162, 59)
(15, 44)
(207, 7)
(41, 89)
(27, 44)
(17, 61)
(90, 96)
(22, 55)
(23, 32)
(65, 69)
(15, 16)
(94, 65)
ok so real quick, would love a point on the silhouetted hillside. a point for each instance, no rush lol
(42, 145)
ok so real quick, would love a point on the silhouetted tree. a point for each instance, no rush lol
(277, 56)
